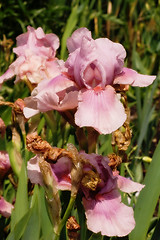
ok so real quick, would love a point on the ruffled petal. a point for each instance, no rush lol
(5, 207)
(38, 42)
(60, 94)
(95, 62)
(101, 110)
(127, 185)
(75, 40)
(108, 215)
(131, 77)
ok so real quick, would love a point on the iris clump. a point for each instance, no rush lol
(67, 139)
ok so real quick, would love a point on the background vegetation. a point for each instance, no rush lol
(136, 25)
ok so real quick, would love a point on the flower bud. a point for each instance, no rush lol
(52, 195)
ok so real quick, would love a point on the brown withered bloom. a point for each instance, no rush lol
(17, 112)
(91, 179)
(73, 227)
(77, 168)
(114, 161)
(37, 145)
(6, 44)
(51, 192)
(122, 136)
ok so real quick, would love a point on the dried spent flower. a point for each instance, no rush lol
(37, 145)
(122, 136)
(114, 161)
(91, 179)
(73, 227)
(77, 168)
(51, 191)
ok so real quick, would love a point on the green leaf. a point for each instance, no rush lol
(96, 237)
(32, 231)
(156, 234)
(71, 23)
(148, 198)
(47, 229)
(19, 228)
(21, 204)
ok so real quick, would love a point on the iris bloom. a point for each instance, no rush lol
(5, 207)
(35, 57)
(94, 68)
(104, 210)
(5, 166)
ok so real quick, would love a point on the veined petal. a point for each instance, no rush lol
(127, 185)
(101, 110)
(106, 214)
(131, 77)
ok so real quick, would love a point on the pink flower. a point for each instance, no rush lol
(95, 66)
(104, 210)
(38, 42)
(60, 93)
(5, 166)
(36, 57)
(5, 207)
(61, 172)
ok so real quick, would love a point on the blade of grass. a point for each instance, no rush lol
(21, 204)
(148, 198)
(71, 23)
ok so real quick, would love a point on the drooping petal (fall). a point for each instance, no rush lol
(127, 185)
(131, 77)
(100, 109)
(60, 94)
(108, 215)
(5, 207)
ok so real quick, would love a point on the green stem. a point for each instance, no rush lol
(15, 158)
(51, 121)
(65, 217)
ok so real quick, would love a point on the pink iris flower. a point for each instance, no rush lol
(94, 67)
(5, 207)
(60, 93)
(104, 210)
(36, 57)
(5, 166)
